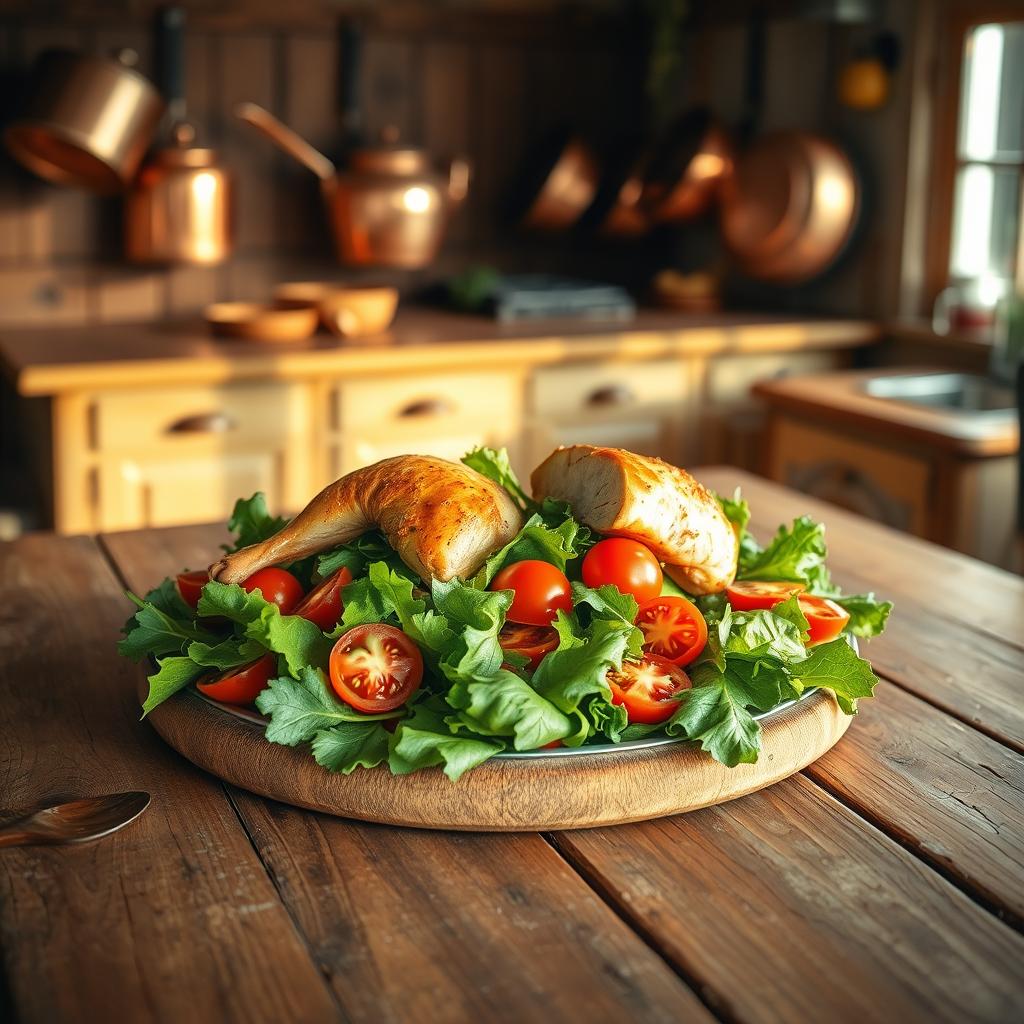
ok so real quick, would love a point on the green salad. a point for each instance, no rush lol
(562, 638)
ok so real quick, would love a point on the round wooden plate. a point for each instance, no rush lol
(537, 794)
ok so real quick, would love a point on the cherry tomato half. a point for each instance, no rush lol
(531, 642)
(648, 689)
(540, 588)
(241, 685)
(323, 604)
(673, 628)
(750, 595)
(631, 566)
(278, 586)
(825, 619)
(375, 667)
(190, 585)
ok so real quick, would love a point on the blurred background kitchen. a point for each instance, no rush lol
(783, 236)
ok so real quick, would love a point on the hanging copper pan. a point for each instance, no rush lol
(790, 207)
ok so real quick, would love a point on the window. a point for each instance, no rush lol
(986, 246)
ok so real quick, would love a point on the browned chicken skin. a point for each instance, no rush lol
(444, 519)
(619, 493)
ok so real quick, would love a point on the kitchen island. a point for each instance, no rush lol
(159, 424)
(884, 882)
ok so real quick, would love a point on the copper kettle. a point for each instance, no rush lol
(389, 208)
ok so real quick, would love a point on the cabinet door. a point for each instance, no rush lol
(640, 406)
(152, 491)
(890, 487)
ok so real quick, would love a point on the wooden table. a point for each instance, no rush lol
(886, 882)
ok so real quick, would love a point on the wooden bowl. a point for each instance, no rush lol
(258, 321)
(364, 313)
(302, 294)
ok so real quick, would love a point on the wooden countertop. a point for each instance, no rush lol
(884, 882)
(48, 361)
(839, 398)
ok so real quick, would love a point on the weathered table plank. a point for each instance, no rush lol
(448, 927)
(173, 918)
(445, 926)
(788, 907)
(952, 795)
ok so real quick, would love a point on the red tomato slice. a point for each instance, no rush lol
(323, 604)
(626, 563)
(673, 628)
(531, 642)
(241, 685)
(190, 585)
(648, 689)
(750, 595)
(278, 586)
(825, 619)
(540, 589)
(375, 668)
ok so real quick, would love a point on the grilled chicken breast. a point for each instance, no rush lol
(624, 495)
(444, 519)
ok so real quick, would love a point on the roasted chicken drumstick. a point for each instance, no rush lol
(624, 495)
(442, 518)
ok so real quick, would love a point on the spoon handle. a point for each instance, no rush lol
(14, 836)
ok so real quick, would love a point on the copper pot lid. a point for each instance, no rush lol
(390, 157)
(181, 152)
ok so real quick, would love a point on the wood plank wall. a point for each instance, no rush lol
(485, 95)
(487, 91)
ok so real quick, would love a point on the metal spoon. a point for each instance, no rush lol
(75, 822)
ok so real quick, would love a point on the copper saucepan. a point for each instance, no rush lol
(88, 120)
(558, 184)
(390, 207)
(790, 208)
(688, 169)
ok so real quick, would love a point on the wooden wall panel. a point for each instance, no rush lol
(390, 87)
(248, 71)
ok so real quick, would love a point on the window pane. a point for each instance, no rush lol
(985, 220)
(992, 93)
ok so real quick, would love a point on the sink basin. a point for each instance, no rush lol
(951, 392)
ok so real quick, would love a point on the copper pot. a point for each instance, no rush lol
(559, 186)
(389, 208)
(791, 207)
(179, 208)
(88, 122)
(687, 170)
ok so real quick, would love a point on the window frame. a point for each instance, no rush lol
(962, 18)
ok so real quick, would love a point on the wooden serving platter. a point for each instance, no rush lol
(535, 794)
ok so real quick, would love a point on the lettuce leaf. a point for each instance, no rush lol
(300, 708)
(299, 641)
(357, 554)
(868, 615)
(715, 715)
(494, 464)
(251, 522)
(536, 540)
(351, 745)
(156, 631)
(836, 667)
(172, 674)
(424, 739)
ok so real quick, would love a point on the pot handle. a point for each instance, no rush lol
(458, 180)
(284, 138)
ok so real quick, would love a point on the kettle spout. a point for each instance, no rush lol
(458, 181)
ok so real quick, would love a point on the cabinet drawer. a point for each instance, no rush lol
(158, 419)
(730, 378)
(607, 389)
(433, 401)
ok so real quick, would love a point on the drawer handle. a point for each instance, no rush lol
(203, 423)
(611, 394)
(427, 407)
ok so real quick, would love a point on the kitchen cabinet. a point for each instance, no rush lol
(163, 456)
(930, 472)
(442, 414)
(644, 407)
(149, 425)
